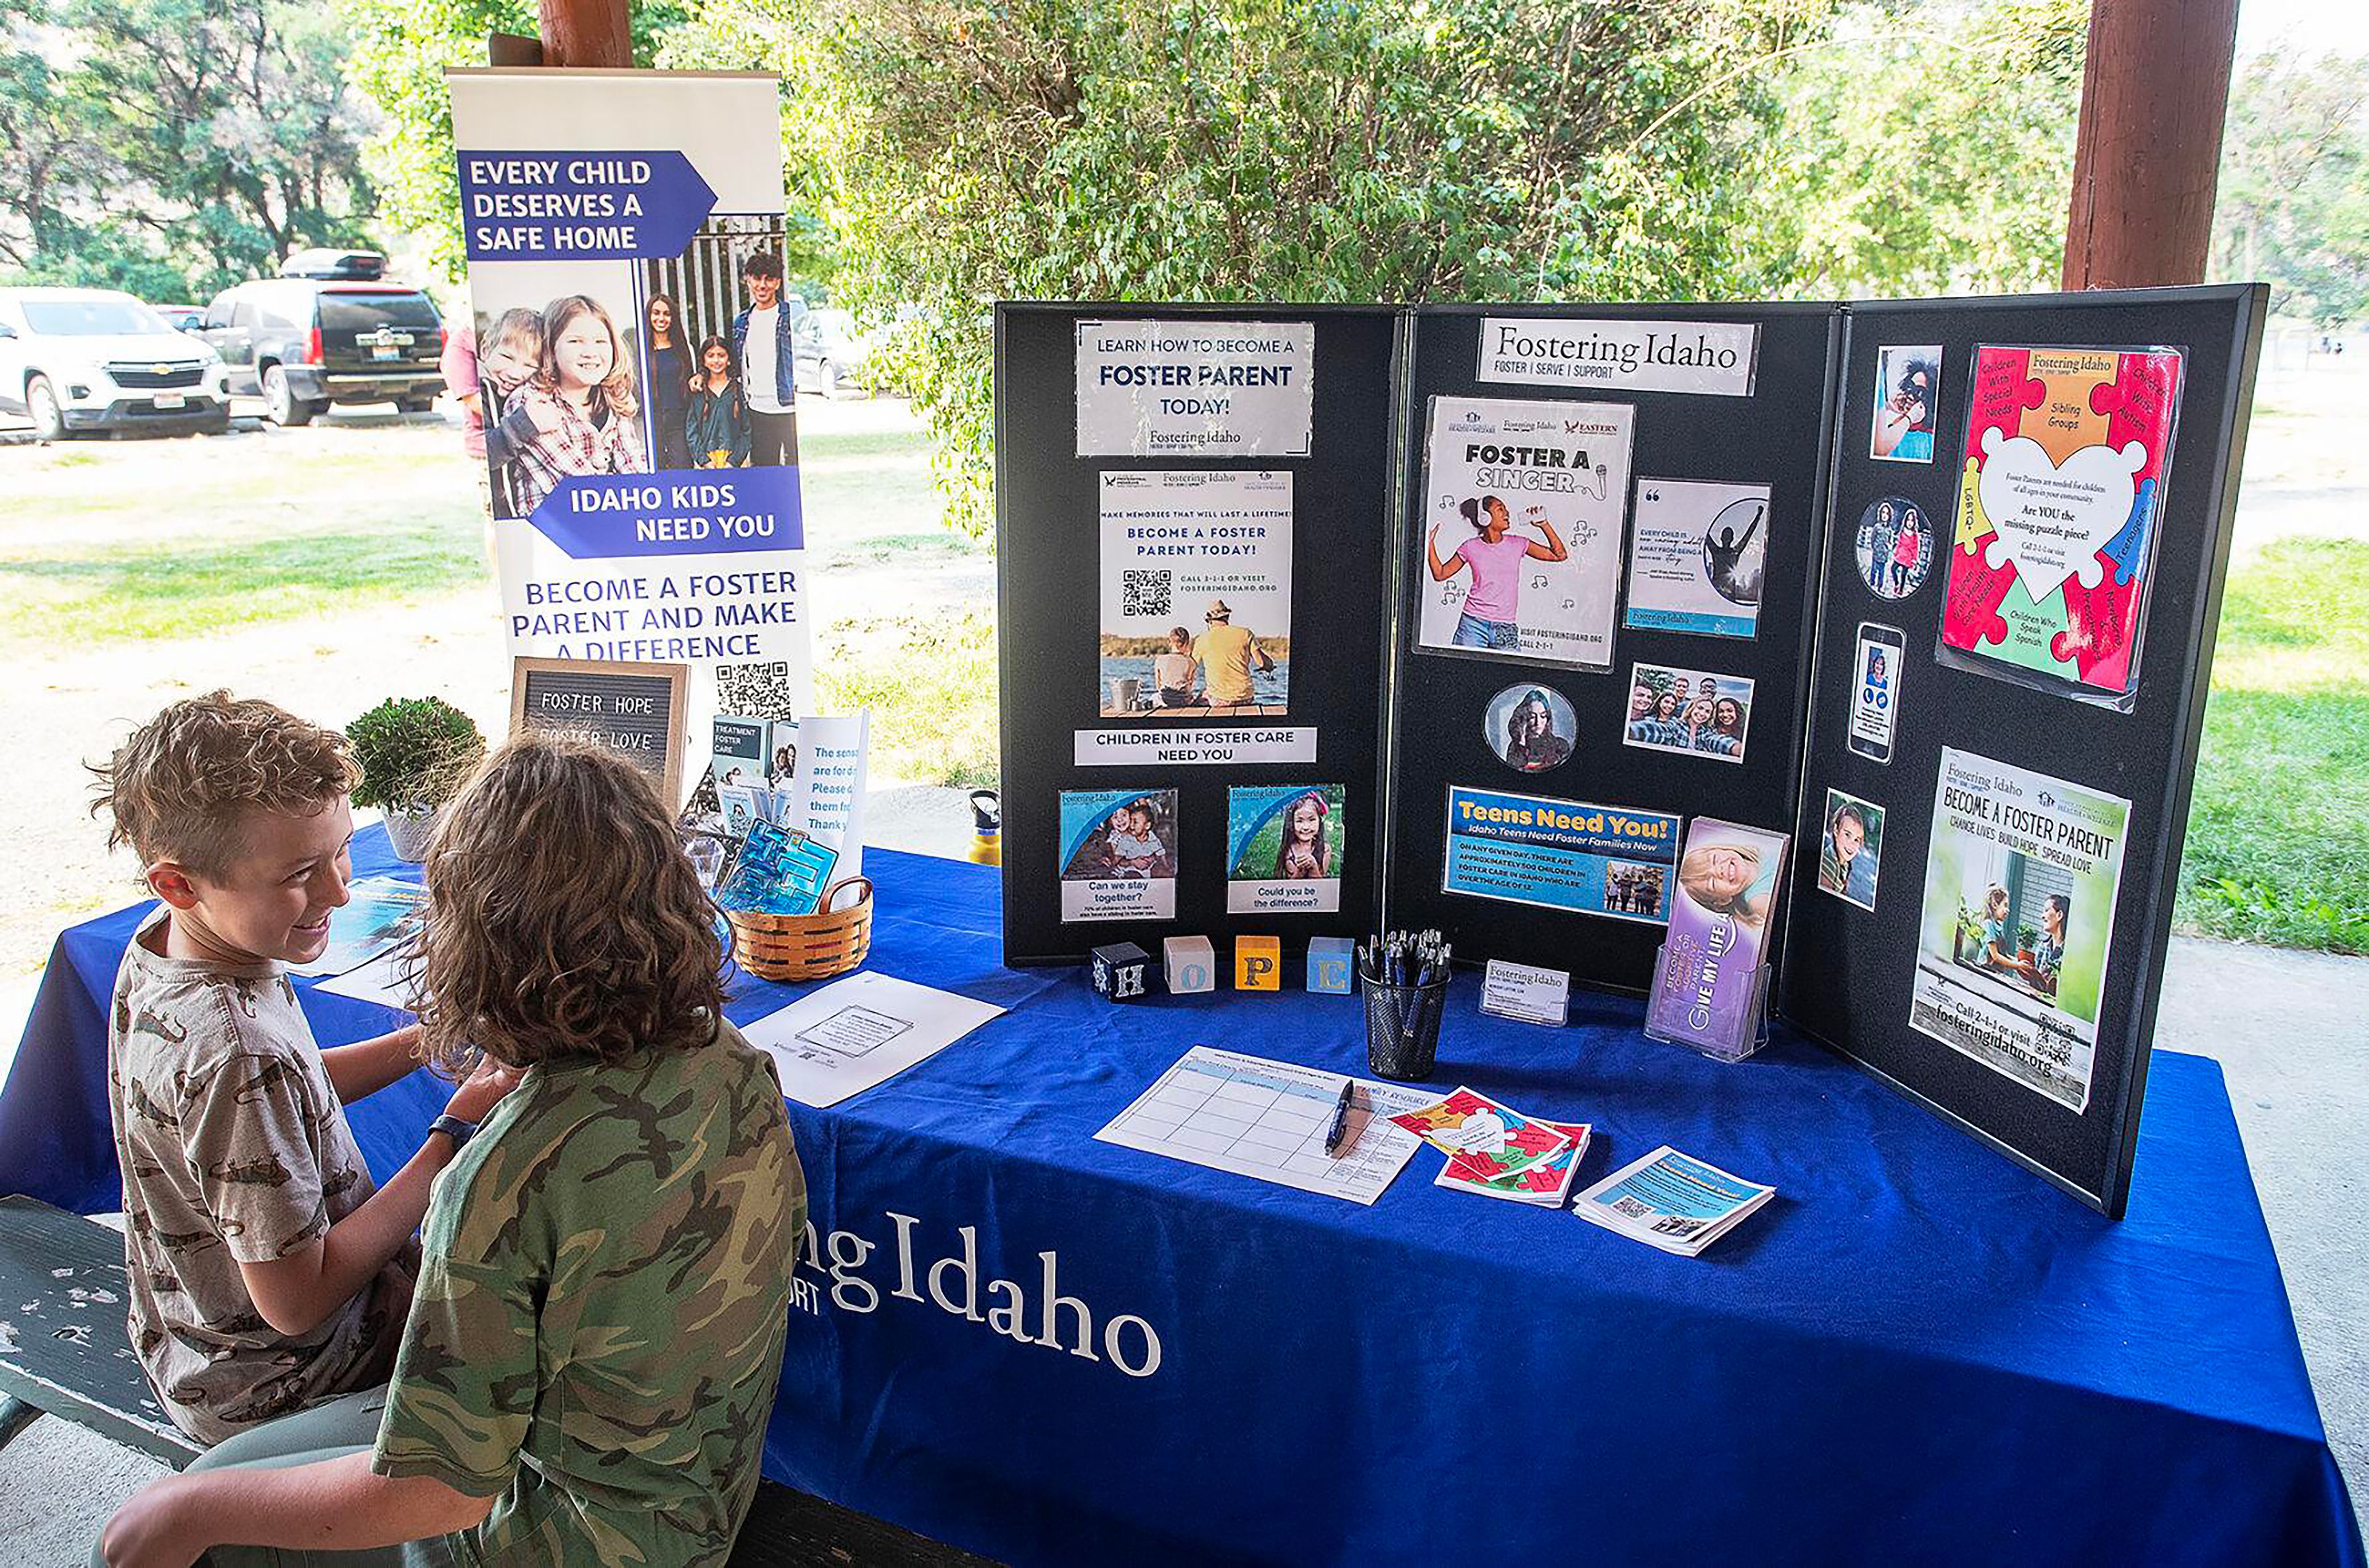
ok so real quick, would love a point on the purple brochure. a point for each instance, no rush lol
(1707, 989)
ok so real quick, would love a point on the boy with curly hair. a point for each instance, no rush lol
(266, 1272)
(604, 1297)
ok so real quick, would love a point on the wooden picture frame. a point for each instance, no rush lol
(588, 689)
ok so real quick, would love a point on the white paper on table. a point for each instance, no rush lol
(384, 980)
(826, 798)
(861, 1031)
(1270, 1119)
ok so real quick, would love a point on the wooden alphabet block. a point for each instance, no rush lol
(1191, 964)
(1258, 963)
(1331, 965)
(1121, 971)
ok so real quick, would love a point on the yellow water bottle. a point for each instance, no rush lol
(987, 823)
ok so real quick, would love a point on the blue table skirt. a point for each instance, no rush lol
(1918, 1353)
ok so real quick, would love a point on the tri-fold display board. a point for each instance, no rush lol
(1316, 619)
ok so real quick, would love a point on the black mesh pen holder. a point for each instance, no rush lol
(1402, 1027)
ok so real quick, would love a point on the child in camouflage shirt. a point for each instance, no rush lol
(597, 1335)
(266, 1273)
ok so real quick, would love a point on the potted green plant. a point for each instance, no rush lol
(414, 753)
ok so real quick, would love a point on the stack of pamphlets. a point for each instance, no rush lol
(1672, 1201)
(776, 871)
(1496, 1150)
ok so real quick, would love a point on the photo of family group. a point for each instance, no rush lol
(695, 372)
(1693, 711)
(1849, 854)
(1896, 547)
(1908, 390)
(1633, 889)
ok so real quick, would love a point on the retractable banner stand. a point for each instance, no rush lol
(1463, 616)
(624, 232)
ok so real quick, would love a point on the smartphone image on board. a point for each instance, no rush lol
(1877, 667)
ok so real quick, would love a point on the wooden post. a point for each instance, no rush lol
(2153, 100)
(586, 32)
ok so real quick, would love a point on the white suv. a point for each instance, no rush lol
(97, 359)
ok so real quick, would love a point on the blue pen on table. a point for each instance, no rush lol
(1335, 1139)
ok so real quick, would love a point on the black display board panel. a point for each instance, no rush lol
(1849, 980)
(1778, 436)
(1048, 541)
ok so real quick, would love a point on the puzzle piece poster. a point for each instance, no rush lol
(2060, 495)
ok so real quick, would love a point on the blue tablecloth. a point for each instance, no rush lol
(1918, 1353)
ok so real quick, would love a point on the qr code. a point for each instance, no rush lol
(1632, 1209)
(755, 691)
(1146, 593)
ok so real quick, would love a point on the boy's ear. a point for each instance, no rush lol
(170, 881)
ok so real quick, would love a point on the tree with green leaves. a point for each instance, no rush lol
(2294, 204)
(173, 147)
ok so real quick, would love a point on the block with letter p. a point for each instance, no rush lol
(1191, 964)
(1258, 963)
(1329, 964)
(1121, 971)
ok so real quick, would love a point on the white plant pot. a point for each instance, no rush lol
(409, 832)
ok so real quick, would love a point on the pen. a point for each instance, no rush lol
(1338, 1136)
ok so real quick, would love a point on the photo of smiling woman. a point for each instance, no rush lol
(579, 416)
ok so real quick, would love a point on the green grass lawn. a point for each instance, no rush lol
(2278, 833)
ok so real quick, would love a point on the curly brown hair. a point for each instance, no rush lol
(564, 919)
(177, 789)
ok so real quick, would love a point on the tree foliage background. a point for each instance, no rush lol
(172, 147)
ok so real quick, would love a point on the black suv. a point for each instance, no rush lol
(328, 330)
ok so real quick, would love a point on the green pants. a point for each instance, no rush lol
(342, 1427)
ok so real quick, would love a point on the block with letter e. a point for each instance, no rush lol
(1329, 964)
(1192, 965)
(1258, 963)
(1122, 971)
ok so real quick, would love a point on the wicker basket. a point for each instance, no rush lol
(806, 947)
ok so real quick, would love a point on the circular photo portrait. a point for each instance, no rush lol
(1898, 541)
(1531, 729)
(1732, 552)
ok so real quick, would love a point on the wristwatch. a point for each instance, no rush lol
(453, 1127)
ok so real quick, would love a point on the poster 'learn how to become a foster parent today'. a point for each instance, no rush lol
(613, 221)
(1522, 526)
(1560, 854)
(2018, 920)
(1191, 388)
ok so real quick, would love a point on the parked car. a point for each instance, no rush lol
(831, 353)
(330, 329)
(99, 359)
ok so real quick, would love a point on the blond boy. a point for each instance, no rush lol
(266, 1272)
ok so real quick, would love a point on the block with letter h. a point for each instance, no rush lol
(1329, 962)
(1191, 964)
(1258, 963)
(1121, 971)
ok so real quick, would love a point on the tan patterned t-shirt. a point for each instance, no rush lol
(234, 1149)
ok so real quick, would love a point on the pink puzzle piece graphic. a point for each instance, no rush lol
(2139, 406)
(2004, 387)
(1970, 616)
(2096, 638)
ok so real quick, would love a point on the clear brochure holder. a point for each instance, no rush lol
(1725, 1037)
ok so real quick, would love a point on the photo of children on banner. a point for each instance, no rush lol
(560, 397)
(722, 391)
(1118, 854)
(1285, 845)
(1895, 546)
(1691, 711)
(1531, 729)
(1133, 842)
(667, 372)
(1907, 393)
(1848, 854)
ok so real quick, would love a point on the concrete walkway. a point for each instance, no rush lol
(2288, 1029)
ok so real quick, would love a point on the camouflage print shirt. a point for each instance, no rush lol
(602, 1309)
(234, 1149)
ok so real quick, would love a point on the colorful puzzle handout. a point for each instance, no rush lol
(2060, 491)
(1546, 1184)
(1489, 1142)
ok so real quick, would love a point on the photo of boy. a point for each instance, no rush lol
(268, 1273)
(507, 357)
(595, 1346)
(1847, 857)
(763, 343)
